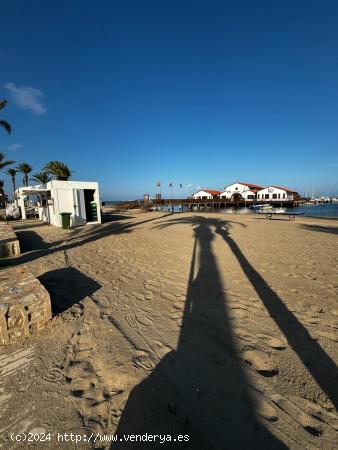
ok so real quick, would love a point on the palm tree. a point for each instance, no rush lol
(42, 177)
(3, 197)
(4, 163)
(12, 172)
(25, 169)
(3, 123)
(59, 170)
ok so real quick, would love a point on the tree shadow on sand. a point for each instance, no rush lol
(201, 389)
(320, 228)
(37, 248)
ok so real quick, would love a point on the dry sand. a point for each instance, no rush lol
(220, 327)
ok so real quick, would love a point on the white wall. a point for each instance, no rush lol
(237, 188)
(202, 194)
(274, 194)
(71, 199)
(66, 196)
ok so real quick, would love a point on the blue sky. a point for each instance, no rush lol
(194, 92)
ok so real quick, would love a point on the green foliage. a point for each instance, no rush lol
(25, 169)
(12, 173)
(3, 123)
(4, 163)
(58, 170)
(41, 177)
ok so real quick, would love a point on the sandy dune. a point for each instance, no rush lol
(219, 327)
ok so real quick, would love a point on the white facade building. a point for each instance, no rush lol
(276, 193)
(240, 191)
(206, 194)
(79, 198)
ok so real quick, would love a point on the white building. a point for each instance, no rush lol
(241, 191)
(277, 193)
(206, 194)
(79, 198)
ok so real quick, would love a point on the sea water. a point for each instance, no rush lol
(319, 210)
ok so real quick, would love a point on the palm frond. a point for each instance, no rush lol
(42, 177)
(3, 103)
(4, 163)
(59, 170)
(24, 168)
(4, 124)
(11, 172)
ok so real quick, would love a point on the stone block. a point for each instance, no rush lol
(9, 243)
(25, 305)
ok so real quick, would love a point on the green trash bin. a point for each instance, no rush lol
(65, 220)
(93, 210)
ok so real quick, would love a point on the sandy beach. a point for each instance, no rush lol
(220, 328)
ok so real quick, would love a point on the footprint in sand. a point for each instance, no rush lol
(144, 319)
(77, 310)
(80, 386)
(238, 313)
(138, 295)
(309, 423)
(144, 359)
(151, 288)
(331, 336)
(261, 362)
(273, 342)
(79, 369)
(131, 320)
(241, 333)
(53, 375)
(111, 391)
(175, 315)
(115, 414)
(264, 409)
(310, 320)
(130, 275)
(168, 296)
(123, 279)
(161, 349)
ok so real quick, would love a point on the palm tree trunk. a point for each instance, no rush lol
(14, 188)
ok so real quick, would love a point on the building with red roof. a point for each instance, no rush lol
(206, 194)
(276, 193)
(240, 191)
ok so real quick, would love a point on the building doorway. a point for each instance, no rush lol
(236, 197)
(90, 205)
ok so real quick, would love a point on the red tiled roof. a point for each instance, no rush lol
(250, 185)
(209, 191)
(285, 189)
